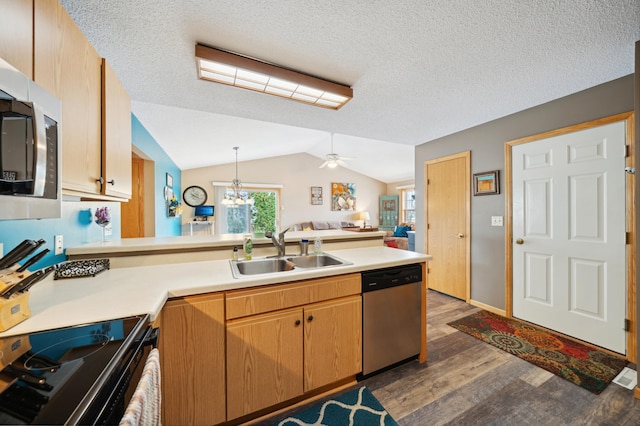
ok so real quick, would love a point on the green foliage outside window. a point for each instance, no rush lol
(263, 211)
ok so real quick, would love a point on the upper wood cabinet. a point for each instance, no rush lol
(116, 135)
(96, 110)
(16, 33)
(68, 66)
(192, 352)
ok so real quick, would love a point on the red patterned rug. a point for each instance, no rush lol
(582, 365)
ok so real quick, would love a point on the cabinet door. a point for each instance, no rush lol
(264, 361)
(16, 33)
(68, 66)
(193, 360)
(332, 341)
(116, 135)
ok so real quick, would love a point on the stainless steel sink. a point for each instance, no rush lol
(260, 266)
(316, 261)
(241, 268)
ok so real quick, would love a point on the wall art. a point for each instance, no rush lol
(343, 196)
(316, 195)
(486, 183)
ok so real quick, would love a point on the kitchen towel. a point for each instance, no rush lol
(144, 407)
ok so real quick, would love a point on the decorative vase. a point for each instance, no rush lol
(103, 218)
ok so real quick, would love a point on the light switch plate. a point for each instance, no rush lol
(496, 221)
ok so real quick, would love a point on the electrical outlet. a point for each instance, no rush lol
(496, 220)
(59, 245)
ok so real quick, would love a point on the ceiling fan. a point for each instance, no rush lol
(333, 159)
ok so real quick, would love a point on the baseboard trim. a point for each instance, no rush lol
(489, 308)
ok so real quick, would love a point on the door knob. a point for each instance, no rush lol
(519, 241)
(460, 235)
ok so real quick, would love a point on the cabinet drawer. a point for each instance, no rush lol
(242, 303)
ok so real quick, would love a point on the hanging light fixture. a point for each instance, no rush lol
(236, 198)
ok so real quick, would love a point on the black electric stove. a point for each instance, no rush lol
(73, 375)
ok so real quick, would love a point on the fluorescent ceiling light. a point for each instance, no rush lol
(240, 71)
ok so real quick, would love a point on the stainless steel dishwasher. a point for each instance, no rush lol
(391, 317)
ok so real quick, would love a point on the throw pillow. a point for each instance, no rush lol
(334, 225)
(391, 243)
(401, 231)
(320, 225)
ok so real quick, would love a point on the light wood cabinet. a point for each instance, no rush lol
(116, 135)
(264, 361)
(287, 340)
(16, 33)
(96, 109)
(192, 342)
(68, 66)
(332, 341)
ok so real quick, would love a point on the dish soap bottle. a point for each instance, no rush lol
(248, 247)
(317, 245)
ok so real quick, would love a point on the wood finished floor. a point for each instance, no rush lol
(468, 382)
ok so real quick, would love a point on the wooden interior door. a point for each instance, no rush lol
(448, 223)
(132, 225)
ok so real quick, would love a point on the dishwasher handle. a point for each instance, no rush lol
(391, 277)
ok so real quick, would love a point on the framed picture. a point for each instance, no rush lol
(169, 180)
(316, 195)
(343, 196)
(486, 183)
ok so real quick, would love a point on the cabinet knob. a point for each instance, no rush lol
(112, 182)
(297, 322)
(310, 318)
(100, 181)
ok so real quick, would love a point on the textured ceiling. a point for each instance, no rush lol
(419, 69)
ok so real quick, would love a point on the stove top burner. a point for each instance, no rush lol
(47, 375)
(75, 348)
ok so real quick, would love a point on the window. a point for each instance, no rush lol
(408, 205)
(259, 217)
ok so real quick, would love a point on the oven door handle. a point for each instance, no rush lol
(151, 338)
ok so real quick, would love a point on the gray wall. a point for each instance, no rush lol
(486, 143)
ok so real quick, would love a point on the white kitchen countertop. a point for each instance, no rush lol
(123, 292)
(150, 244)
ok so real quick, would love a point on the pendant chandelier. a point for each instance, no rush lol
(236, 198)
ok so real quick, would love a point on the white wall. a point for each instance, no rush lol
(298, 173)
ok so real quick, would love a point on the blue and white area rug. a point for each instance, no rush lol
(356, 408)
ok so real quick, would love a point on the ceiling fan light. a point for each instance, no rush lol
(332, 164)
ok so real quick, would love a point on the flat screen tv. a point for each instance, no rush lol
(204, 211)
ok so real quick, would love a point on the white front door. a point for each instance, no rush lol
(569, 215)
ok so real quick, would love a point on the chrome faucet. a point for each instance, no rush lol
(279, 243)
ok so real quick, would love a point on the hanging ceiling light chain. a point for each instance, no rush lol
(236, 198)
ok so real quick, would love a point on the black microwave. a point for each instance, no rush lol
(30, 162)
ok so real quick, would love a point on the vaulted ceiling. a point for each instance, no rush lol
(419, 69)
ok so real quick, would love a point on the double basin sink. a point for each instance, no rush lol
(268, 265)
